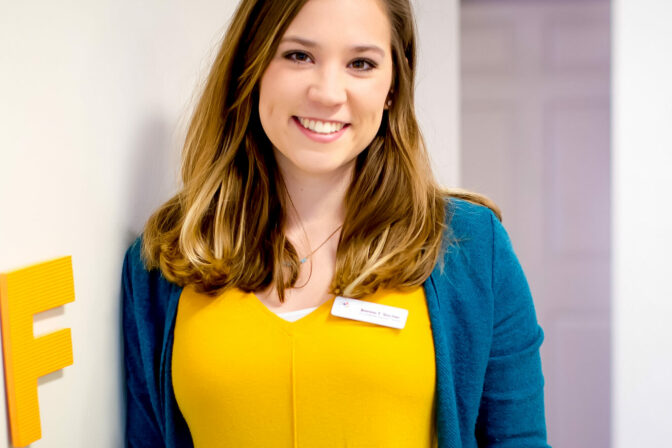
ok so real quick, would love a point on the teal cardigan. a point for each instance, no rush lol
(489, 383)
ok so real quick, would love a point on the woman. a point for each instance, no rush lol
(310, 284)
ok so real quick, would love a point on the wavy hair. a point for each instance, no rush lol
(224, 227)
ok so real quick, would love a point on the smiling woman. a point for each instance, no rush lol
(310, 284)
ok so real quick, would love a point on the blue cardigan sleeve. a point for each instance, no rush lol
(153, 417)
(143, 428)
(511, 412)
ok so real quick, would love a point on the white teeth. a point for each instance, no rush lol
(321, 127)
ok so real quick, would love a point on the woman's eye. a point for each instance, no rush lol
(297, 56)
(363, 64)
(301, 57)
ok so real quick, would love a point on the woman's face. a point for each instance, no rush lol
(322, 97)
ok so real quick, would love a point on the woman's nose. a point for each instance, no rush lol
(328, 88)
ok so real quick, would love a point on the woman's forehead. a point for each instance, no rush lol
(351, 23)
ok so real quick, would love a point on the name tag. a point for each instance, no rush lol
(373, 313)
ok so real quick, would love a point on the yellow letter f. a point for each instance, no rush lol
(23, 293)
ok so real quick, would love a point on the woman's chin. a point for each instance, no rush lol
(317, 166)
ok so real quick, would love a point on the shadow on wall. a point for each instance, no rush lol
(154, 173)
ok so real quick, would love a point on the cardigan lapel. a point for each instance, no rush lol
(446, 413)
(177, 434)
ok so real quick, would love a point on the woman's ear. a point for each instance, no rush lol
(388, 101)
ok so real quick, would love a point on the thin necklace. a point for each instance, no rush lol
(304, 259)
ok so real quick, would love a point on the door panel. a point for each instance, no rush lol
(535, 138)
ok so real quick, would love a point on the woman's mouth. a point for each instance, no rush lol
(321, 127)
(321, 131)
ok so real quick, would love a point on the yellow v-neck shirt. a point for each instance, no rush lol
(244, 377)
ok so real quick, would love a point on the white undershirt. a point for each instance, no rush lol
(293, 316)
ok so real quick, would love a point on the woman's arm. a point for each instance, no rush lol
(511, 413)
(142, 401)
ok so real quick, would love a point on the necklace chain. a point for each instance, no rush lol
(304, 259)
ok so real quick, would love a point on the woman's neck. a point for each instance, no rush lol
(319, 199)
(315, 210)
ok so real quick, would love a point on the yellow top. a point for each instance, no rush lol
(245, 377)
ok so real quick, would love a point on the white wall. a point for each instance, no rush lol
(93, 101)
(437, 92)
(642, 240)
(91, 93)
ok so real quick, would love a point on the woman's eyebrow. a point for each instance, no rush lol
(311, 44)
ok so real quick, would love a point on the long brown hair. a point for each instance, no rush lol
(224, 228)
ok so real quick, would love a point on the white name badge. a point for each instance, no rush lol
(373, 313)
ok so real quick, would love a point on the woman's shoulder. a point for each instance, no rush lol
(467, 199)
(133, 258)
(145, 291)
(471, 219)
(476, 245)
